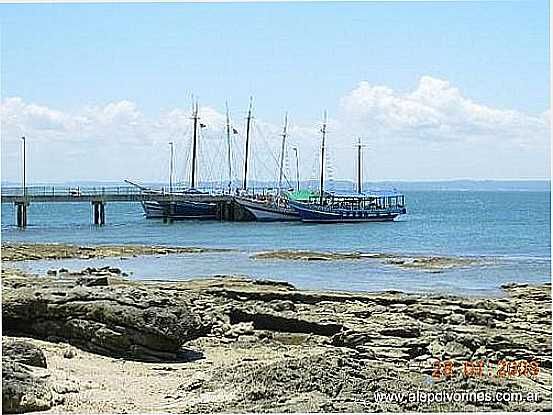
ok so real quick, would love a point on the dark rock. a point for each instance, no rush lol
(273, 322)
(24, 352)
(23, 390)
(350, 338)
(87, 248)
(471, 341)
(69, 353)
(283, 305)
(480, 317)
(93, 281)
(402, 331)
(144, 324)
(279, 284)
(24, 387)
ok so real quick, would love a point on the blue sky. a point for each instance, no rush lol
(302, 58)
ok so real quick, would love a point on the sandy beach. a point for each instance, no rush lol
(95, 341)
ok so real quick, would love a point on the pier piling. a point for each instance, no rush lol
(21, 208)
(169, 212)
(98, 212)
(233, 212)
(225, 211)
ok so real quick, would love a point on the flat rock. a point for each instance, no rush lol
(23, 390)
(23, 352)
(308, 351)
(93, 281)
(123, 321)
(24, 387)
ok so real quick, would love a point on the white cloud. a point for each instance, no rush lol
(431, 132)
(16, 113)
(117, 113)
(436, 110)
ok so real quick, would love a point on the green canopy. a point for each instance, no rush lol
(301, 195)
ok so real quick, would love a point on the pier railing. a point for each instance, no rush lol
(69, 191)
(32, 194)
(10, 193)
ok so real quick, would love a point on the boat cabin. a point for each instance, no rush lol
(369, 200)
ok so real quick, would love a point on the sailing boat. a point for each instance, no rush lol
(332, 207)
(179, 210)
(267, 207)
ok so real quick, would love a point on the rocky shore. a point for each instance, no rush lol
(94, 341)
(434, 263)
(426, 263)
(22, 252)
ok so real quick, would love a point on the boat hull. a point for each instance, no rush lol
(265, 212)
(312, 213)
(179, 210)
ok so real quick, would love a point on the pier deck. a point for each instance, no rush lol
(53, 194)
(99, 196)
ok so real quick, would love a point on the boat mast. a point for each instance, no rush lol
(359, 165)
(194, 146)
(321, 186)
(171, 169)
(297, 168)
(284, 134)
(228, 151)
(248, 124)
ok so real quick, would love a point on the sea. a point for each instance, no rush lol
(509, 232)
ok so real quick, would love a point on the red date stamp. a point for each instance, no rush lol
(446, 369)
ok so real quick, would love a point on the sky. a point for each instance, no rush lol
(435, 90)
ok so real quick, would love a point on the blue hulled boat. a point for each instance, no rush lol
(373, 206)
(180, 210)
(332, 207)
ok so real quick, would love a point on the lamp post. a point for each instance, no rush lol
(171, 170)
(24, 169)
(21, 205)
(359, 178)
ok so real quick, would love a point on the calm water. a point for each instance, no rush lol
(511, 229)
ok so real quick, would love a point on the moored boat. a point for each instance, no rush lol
(268, 210)
(332, 207)
(374, 206)
(180, 210)
(266, 207)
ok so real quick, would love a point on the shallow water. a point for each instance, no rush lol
(510, 228)
(347, 275)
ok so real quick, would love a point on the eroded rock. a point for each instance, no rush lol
(23, 389)
(308, 351)
(25, 385)
(138, 323)
(23, 352)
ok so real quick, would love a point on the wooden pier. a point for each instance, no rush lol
(227, 209)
